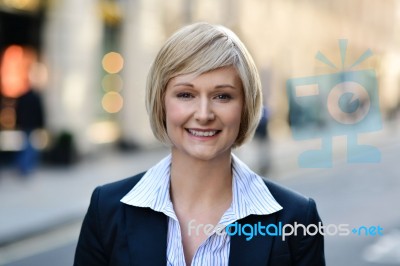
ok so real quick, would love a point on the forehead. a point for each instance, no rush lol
(219, 76)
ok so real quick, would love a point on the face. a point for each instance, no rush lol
(203, 113)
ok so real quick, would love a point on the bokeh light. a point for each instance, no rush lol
(12, 140)
(103, 132)
(7, 118)
(25, 5)
(14, 71)
(113, 62)
(112, 82)
(40, 139)
(112, 102)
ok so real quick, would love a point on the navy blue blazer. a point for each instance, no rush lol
(117, 234)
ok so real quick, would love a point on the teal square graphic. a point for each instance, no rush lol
(344, 103)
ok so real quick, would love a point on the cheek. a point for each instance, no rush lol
(234, 117)
(174, 114)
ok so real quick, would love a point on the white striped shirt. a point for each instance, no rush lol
(250, 195)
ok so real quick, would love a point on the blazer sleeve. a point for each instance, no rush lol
(90, 250)
(309, 247)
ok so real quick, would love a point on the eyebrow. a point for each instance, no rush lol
(216, 87)
(183, 84)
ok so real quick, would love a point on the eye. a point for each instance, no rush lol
(223, 97)
(184, 95)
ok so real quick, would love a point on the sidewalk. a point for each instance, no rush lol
(55, 196)
(51, 197)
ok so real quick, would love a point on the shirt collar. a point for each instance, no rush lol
(152, 190)
(250, 194)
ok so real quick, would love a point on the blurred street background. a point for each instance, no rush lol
(72, 112)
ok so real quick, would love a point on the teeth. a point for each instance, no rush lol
(203, 133)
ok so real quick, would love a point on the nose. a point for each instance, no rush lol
(204, 112)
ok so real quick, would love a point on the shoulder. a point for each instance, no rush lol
(285, 195)
(101, 229)
(112, 193)
(105, 205)
(300, 212)
(122, 186)
(295, 205)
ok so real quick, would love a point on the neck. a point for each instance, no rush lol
(199, 184)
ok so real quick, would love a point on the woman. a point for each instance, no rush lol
(197, 205)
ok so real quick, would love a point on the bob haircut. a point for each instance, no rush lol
(199, 48)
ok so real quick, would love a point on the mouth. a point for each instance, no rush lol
(203, 133)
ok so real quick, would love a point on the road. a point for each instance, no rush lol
(354, 194)
(358, 195)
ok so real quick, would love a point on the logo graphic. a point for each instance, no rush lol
(344, 103)
(281, 229)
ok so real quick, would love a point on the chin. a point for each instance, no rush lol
(208, 156)
(203, 157)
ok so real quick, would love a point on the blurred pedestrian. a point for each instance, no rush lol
(21, 108)
(30, 118)
(204, 99)
(261, 139)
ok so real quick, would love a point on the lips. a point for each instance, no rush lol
(203, 133)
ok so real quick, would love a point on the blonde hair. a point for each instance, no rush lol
(199, 48)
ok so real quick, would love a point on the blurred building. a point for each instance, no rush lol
(97, 53)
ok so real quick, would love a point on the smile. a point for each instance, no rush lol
(208, 133)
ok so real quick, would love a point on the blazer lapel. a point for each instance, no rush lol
(147, 236)
(255, 251)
